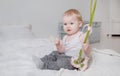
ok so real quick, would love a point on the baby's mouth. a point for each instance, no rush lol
(68, 30)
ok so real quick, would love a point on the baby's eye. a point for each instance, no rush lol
(65, 23)
(71, 23)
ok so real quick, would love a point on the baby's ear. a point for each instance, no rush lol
(80, 23)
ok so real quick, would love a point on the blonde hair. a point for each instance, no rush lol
(73, 12)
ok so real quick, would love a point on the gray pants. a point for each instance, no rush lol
(55, 61)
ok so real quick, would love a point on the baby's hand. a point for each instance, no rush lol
(57, 41)
(59, 45)
(85, 46)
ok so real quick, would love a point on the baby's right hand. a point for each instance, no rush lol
(57, 41)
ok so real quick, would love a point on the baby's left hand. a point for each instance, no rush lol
(85, 46)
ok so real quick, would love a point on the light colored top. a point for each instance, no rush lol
(73, 46)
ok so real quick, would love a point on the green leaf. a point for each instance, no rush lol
(81, 65)
(82, 59)
(76, 61)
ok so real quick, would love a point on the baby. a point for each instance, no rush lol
(70, 46)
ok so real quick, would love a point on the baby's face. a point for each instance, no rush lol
(71, 25)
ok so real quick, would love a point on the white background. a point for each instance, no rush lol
(45, 15)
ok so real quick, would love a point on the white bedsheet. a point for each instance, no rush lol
(16, 60)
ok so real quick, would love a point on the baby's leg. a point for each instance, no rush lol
(51, 57)
(51, 65)
(42, 62)
(65, 62)
(39, 64)
(50, 61)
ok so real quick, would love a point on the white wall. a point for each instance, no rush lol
(102, 14)
(115, 8)
(114, 17)
(45, 15)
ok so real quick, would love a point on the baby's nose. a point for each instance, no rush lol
(68, 26)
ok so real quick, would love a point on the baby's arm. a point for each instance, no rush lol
(86, 49)
(86, 46)
(59, 45)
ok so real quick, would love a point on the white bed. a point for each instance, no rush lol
(18, 45)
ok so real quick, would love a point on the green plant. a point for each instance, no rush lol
(80, 60)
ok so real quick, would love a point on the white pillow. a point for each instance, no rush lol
(15, 32)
